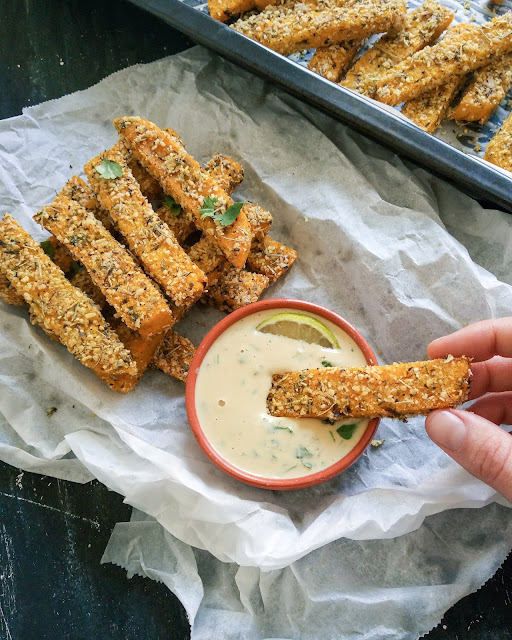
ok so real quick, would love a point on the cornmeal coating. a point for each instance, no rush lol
(58, 253)
(8, 293)
(398, 390)
(182, 178)
(485, 91)
(293, 26)
(206, 255)
(499, 149)
(174, 355)
(270, 258)
(125, 286)
(147, 235)
(149, 187)
(428, 110)
(181, 225)
(433, 66)
(416, 30)
(227, 172)
(333, 61)
(78, 190)
(234, 289)
(225, 9)
(62, 309)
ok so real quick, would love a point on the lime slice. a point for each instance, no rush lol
(299, 326)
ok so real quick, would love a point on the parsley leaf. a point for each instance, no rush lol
(47, 247)
(109, 170)
(226, 218)
(346, 431)
(326, 363)
(208, 208)
(173, 206)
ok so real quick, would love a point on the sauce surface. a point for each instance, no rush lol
(231, 390)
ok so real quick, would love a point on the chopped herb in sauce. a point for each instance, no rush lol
(346, 431)
(302, 452)
(281, 427)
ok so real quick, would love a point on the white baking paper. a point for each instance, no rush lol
(373, 246)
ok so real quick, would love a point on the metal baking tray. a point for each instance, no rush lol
(471, 174)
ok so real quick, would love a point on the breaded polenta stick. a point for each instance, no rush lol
(332, 62)
(206, 255)
(58, 253)
(270, 258)
(399, 390)
(499, 149)
(259, 220)
(62, 309)
(453, 56)
(183, 179)
(150, 188)
(174, 355)
(417, 29)
(78, 190)
(485, 91)
(233, 289)
(225, 9)
(428, 110)
(181, 225)
(125, 286)
(228, 173)
(82, 280)
(8, 293)
(147, 235)
(289, 27)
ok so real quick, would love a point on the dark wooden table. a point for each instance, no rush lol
(53, 533)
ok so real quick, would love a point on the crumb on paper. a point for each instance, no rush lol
(51, 411)
(19, 478)
(377, 443)
(306, 219)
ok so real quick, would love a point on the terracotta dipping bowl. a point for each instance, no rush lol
(213, 454)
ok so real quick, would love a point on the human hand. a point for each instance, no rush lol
(473, 438)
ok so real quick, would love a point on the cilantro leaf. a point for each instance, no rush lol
(47, 247)
(173, 206)
(208, 208)
(346, 431)
(326, 363)
(109, 170)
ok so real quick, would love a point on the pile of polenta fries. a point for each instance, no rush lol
(125, 262)
(464, 75)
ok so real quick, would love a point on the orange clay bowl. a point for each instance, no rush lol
(220, 461)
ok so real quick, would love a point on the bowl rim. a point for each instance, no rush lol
(205, 444)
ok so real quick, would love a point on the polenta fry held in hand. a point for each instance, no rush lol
(417, 29)
(332, 62)
(499, 149)
(391, 391)
(433, 66)
(124, 285)
(288, 27)
(191, 187)
(485, 91)
(174, 356)
(147, 235)
(428, 110)
(62, 309)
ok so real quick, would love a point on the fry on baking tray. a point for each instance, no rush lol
(499, 149)
(398, 390)
(124, 285)
(416, 30)
(452, 56)
(182, 178)
(225, 9)
(147, 235)
(486, 90)
(332, 62)
(62, 309)
(288, 27)
(428, 110)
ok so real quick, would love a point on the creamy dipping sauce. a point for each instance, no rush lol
(231, 391)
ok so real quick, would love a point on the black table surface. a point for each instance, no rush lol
(53, 533)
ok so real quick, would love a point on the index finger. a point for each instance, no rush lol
(479, 341)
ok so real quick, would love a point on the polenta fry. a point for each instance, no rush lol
(234, 289)
(399, 390)
(206, 255)
(228, 173)
(174, 355)
(433, 66)
(181, 225)
(486, 90)
(499, 149)
(417, 29)
(428, 110)
(332, 62)
(183, 179)
(147, 235)
(79, 191)
(8, 293)
(270, 258)
(288, 27)
(225, 9)
(82, 280)
(124, 285)
(62, 309)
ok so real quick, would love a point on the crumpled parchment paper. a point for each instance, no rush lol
(380, 241)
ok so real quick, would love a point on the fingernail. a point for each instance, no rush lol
(446, 429)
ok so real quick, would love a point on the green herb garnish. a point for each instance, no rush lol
(109, 170)
(346, 431)
(332, 436)
(47, 247)
(308, 465)
(326, 363)
(282, 428)
(75, 268)
(226, 218)
(173, 206)
(302, 452)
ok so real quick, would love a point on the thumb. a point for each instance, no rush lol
(481, 447)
